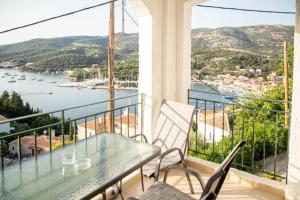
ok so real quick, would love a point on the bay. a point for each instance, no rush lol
(47, 96)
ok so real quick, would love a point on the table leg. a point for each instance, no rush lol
(142, 178)
(104, 195)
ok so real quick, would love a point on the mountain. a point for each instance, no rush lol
(262, 39)
(81, 51)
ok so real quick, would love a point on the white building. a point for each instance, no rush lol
(214, 127)
(28, 145)
(90, 127)
(125, 125)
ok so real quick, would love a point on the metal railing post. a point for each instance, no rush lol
(50, 139)
(19, 149)
(35, 144)
(63, 127)
(142, 112)
(1, 154)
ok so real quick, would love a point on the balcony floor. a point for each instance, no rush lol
(230, 190)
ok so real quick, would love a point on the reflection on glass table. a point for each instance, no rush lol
(105, 159)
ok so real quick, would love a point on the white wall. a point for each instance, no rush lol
(165, 53)
(81, 132)
(293, 191)
(208, 131)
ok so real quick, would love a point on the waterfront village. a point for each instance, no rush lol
(225, 83)
(240, 85)
(214, 125)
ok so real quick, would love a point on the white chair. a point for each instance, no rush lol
(171, 134)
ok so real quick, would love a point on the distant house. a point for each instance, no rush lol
(4, 126)
(29, 64)
(125, 124)
(28, 145)
(7, 64)
(214, 126)
(251, 70)
(258, 71)
(90, 127)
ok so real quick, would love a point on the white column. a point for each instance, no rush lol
(293, 190)
(165, 54)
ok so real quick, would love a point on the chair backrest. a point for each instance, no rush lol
(215, 182)
(173, 125)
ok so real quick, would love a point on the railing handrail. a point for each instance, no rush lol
(238, 96)
(66, 121)
(66, 109)
(236, 103)
(210, 143)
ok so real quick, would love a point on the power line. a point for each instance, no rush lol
(128, 14)
(58, 16)
(247, 10)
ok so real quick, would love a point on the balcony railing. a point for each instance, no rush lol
(67, 126)
(218, 124)
(221, 121)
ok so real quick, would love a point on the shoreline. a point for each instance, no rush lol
(80, 85)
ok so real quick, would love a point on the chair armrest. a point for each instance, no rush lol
(161, 157)
(184, 170)
(142, 135)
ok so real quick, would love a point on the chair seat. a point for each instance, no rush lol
(149, 168)
(163, 191)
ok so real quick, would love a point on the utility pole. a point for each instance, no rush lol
(111, 41)
(123, 20)
(286, 85)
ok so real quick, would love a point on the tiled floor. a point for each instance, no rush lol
(230, 191)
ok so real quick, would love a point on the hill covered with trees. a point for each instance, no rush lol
(215, 51)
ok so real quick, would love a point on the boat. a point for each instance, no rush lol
(41, 80)
(91, 87)
(12, 81)
(33, 79)
(52, 82)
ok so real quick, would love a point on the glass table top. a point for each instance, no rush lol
(111, 158)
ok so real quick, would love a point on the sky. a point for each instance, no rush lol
(15, 13)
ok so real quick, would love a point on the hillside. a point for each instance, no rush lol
(262, 39)
(57, 54)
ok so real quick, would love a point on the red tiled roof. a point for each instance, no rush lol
(2, 118)
(131, 118)
(208, 111)
(216, 120)
(42, 141)
(102, 125)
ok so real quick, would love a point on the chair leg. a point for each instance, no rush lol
(142, 178)
(120, 190)
(188, 179)
(104, 195)
(190, 183)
